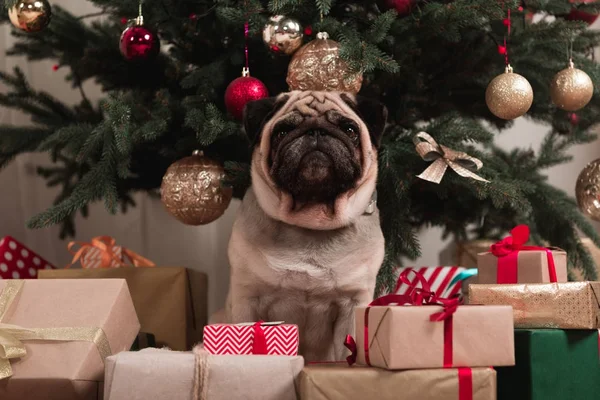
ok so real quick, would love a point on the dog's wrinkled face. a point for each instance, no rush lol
(317, 157)
(314, 150)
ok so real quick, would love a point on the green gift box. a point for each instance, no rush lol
(552, 364)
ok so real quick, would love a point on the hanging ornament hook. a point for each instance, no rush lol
(140, 18)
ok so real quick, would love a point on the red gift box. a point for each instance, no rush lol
(257, 338)
(19, 262)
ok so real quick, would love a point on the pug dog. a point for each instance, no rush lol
(306, 244)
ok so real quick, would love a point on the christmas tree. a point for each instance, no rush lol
(428, 61)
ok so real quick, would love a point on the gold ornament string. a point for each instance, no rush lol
(104, 245)
(444, 157)
(12, 336)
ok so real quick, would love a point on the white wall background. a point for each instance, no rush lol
(147, 228)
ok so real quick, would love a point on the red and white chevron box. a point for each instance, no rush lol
(19, 262)
(241, 339)
(439, 278)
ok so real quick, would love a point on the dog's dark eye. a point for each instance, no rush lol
(281, 134)
(351, 130)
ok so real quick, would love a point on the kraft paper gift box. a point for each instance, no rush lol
(99, 310)
(339, 382)
(404, 337)
(153, 374)
(571, 305)
(279, 339)
(512, 261)
(171, 302)
(552, 364)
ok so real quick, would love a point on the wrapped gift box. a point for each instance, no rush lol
(532, 266)
(18, 261)
(281, 339)
(339, 382)
(571, 305)
(443, 281)
(153, 374)
(403, 337)
(171, 302)
(552, 364)
(66, 370)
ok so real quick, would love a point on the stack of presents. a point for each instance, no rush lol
(526, 333)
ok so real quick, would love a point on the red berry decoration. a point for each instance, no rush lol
(402, 7)
(138, 43)
(241, 91)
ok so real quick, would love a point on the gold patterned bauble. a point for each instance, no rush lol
(318, 66)
(192, 192)
(587, 190)
(283, 35)
(509, 95)
(571, 88)
(30, 15)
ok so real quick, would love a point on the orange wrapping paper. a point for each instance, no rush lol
(67, 370)
(572, 305)
(338, 382)
(403, 337)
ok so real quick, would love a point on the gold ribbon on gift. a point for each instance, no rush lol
(104, 245)
(12, 336)
(444, 157)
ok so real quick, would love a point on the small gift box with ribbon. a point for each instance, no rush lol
(55, 336)
(552, 364)
(153, 374)
(421, 330)
(171, 302)
(102, 252)
(338, 382)
(571, 305)
(18, 261)
(444, 281)
(267, 338)
(512, 261)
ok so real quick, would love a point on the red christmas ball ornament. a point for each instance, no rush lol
(139, 43)
(573, 119)
(402, 7)
(241, 91)
(576, 15)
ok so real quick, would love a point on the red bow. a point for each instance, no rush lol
(507, 250)
(519, 235)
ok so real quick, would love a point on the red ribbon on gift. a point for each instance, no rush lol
(259, 343)
(415, 296)
(507, 252)
(465, 384)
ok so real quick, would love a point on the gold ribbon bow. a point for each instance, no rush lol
(444, 157)
(12, 336)
(105, 245)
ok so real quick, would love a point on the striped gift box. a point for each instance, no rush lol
(221, 339)
(441, 279)
(92, 257)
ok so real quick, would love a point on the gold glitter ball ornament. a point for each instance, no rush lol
(192, 192)
(509, 95)
(318, 66)
(587, 190)
(571, 88)
(283, 35)
(30, 15)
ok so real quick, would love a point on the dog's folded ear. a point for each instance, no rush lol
(257, 113)
(372, 112)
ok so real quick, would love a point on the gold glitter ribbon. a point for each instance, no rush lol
(104, 245)
(12, 336)
(444, 157)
